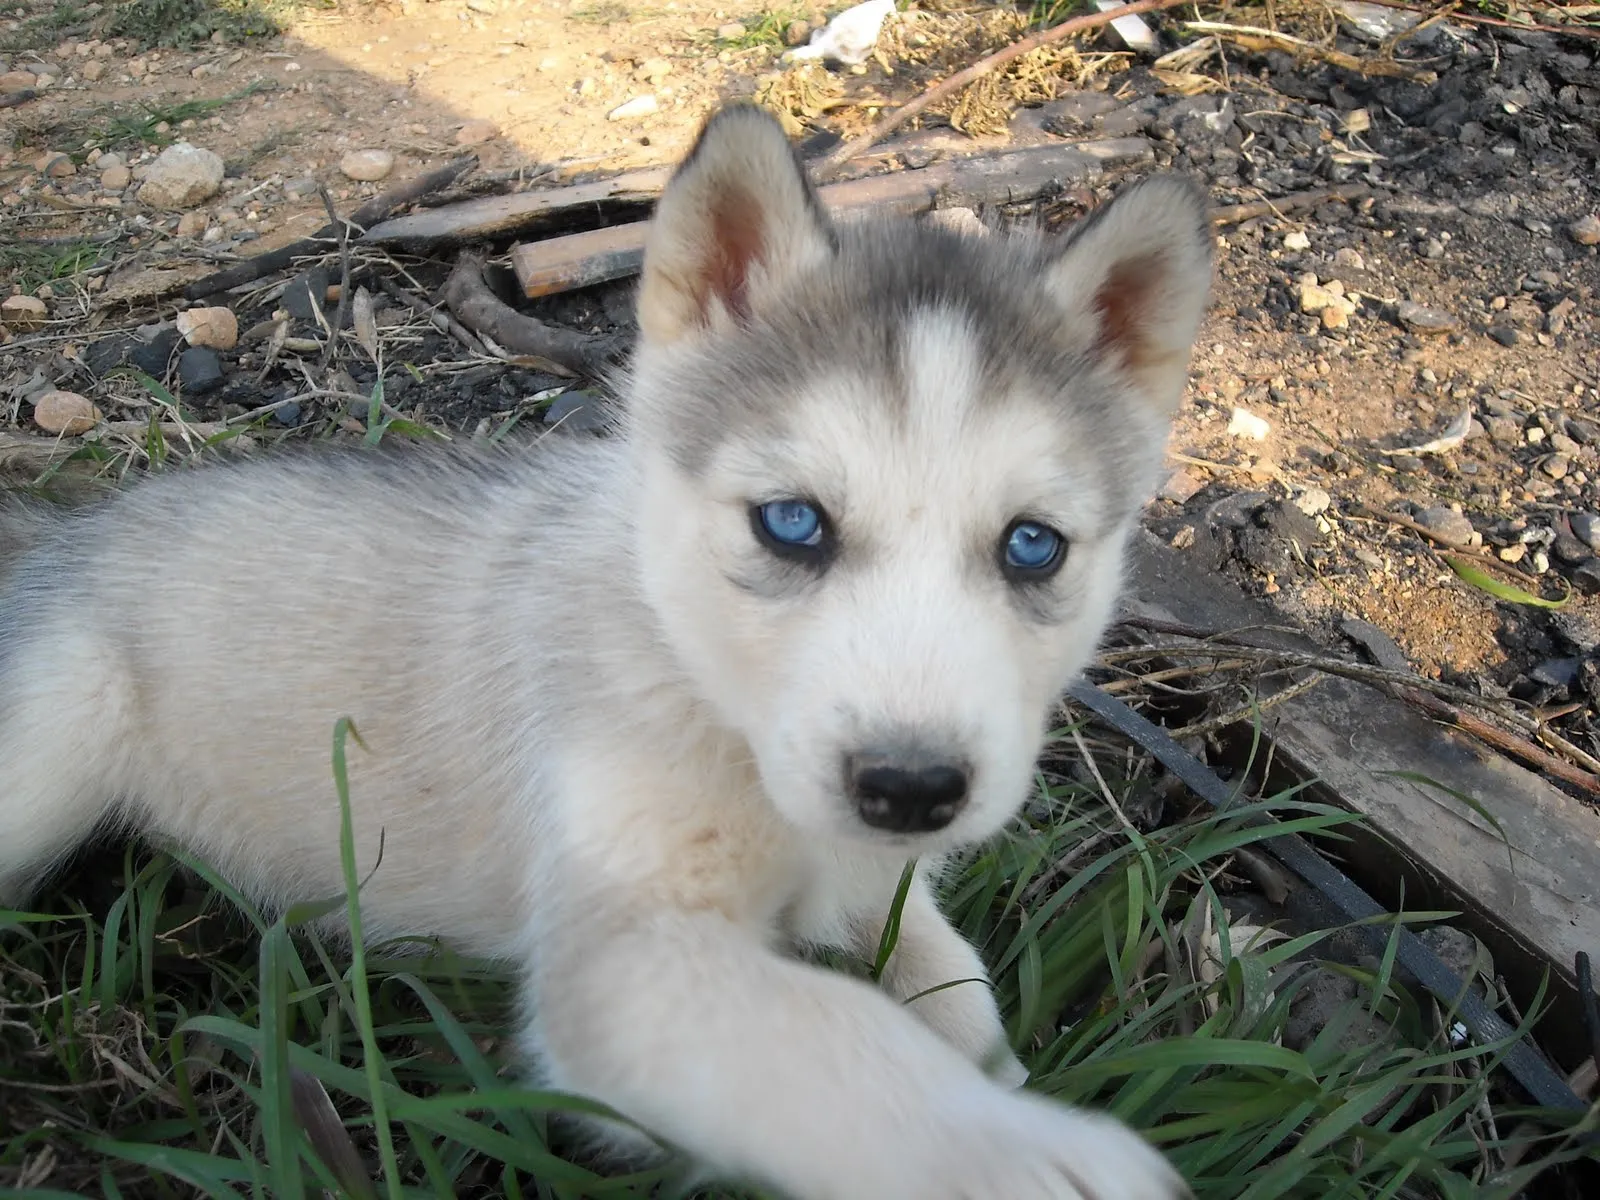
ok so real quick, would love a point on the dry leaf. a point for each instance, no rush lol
(366, 324)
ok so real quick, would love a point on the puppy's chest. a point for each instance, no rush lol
(713, 845)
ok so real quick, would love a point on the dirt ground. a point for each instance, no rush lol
(1474, 189)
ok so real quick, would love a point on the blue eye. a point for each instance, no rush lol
(791, 523)
(1031, 549)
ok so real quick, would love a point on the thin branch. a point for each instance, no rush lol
(343, 311)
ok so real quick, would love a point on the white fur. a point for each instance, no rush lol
(591, 754)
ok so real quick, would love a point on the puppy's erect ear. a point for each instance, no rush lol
(736, 220)
(1138, 271)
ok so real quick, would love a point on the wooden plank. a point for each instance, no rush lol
(490, 215)
(599, 256)
(578, 260)
(1542, 895)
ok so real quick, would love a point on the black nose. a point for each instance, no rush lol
(904, 796)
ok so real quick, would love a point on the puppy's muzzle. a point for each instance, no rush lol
(906, 794)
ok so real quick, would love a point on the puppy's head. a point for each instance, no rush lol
(889, 472)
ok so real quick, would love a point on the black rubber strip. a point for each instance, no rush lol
(1527, 1064)
(1591, 1007)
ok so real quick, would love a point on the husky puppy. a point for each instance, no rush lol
(643, 713)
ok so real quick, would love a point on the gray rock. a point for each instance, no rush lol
(108, 352)
(1585, 433)
(1419, 318)
(181, 177)
(305, 294)
(1586, 577)
(129, 349)
(1586, 528)
(1569, 549)
(1074, 112)
(1383, 648)
(1576, 632)
(1505, 335)
(153, 355)
(199, 370)
(1446, 526)
(1126, 122)
(1504, 431)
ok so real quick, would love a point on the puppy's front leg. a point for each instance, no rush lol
(805, 1080)
(940, 977)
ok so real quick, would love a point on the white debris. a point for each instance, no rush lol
(1452, 437)
(1132, 32)
(1314, 501)
(1246, 424)
(632, 110)
(850, 37)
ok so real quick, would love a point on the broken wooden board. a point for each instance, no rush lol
(599, 256)
(488, 216)
(1539, 896)
(578, 260)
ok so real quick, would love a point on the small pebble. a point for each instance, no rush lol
(1349, 258)
(65, 413)
(1447, 526)
(366, 166)
(1296, 241)
(215, 327)
(1314, 501)
(632, 110)
(1180, 486)
(1586, 230)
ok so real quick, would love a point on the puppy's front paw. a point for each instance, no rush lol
(1024, 1147)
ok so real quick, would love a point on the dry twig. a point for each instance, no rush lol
(343, 311)
(467, 295)
(1233, 214)
(1253, 38)
(442, 321)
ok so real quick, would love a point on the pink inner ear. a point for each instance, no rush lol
(737, 241)
(1121, 302)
